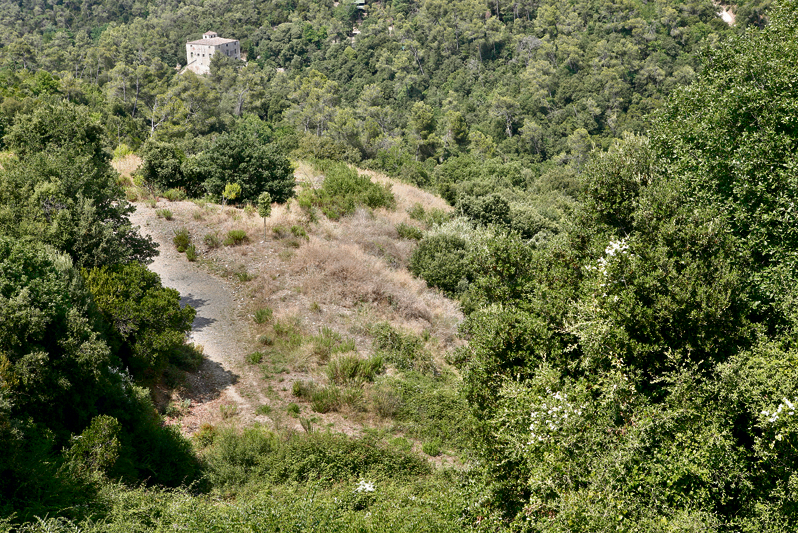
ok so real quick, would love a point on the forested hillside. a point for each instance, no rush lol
(620, 239)
(465, 97)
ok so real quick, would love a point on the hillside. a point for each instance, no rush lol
(330, 278)
(510, 267)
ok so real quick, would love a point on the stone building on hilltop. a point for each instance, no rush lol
(199, 53)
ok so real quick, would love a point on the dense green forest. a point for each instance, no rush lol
(624, 179)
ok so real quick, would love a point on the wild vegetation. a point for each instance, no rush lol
(600, 331)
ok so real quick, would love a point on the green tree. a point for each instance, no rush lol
(61, 189)
(244, 158)
(148, 324)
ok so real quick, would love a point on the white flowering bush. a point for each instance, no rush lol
(779, 426)
(551, 416)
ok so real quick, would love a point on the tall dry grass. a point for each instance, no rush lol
(346, 275)
(126, 165)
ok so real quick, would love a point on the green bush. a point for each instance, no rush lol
(303, 389)
(149, 324)
(121, 151)
(299, 231)
(329, 342)
(174, 195)
(442, 261)
(191, 253)
(325, 399)
(163, 213)
(162, 166)
(256, 455)
(353, 369)
(432, 448)
(181, 239)
(343, 190)
(263, 315)
(212, 240)
(242, 157)
(235, 237)
(406, 231)
(187, 357)
(255, 358)
(404, 350)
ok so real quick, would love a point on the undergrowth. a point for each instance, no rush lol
(343, 190)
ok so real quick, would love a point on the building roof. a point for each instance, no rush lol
(209, 33)
(215, 41)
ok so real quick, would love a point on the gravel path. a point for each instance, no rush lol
(217, 326)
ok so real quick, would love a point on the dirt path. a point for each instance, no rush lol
(218, 328)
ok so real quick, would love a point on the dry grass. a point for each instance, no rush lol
(408, 195)
(347, 275)
(126, 165)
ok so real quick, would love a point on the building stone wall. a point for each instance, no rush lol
(200, 52)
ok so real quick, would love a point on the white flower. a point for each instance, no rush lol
(789, 404)
(365, 486)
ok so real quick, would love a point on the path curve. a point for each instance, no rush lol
(217, 327)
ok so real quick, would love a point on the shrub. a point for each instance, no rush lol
(288, 333)
(325, 399)
(403, 350)
(353, 369)
(406, 231)
(303, 389)
(329, 458)
(162, 213)
(329, 342)
(181, 240)
(161, 166)
(492, 209)
(266, 340)
(417, 212)
(385, 401)
(264, 410)
(263, 315)
(292, 410)
(187, 357)
(255, 358)
(432, 447)
(228, 410)
(299, 231)
(343, 190)
(191, 252)
(174, 195)
(235, 237)
(212, 240)
(236, 454)
(121, 151)
(149, 323)
(241, 157)
(442, 261)
(231, 192)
